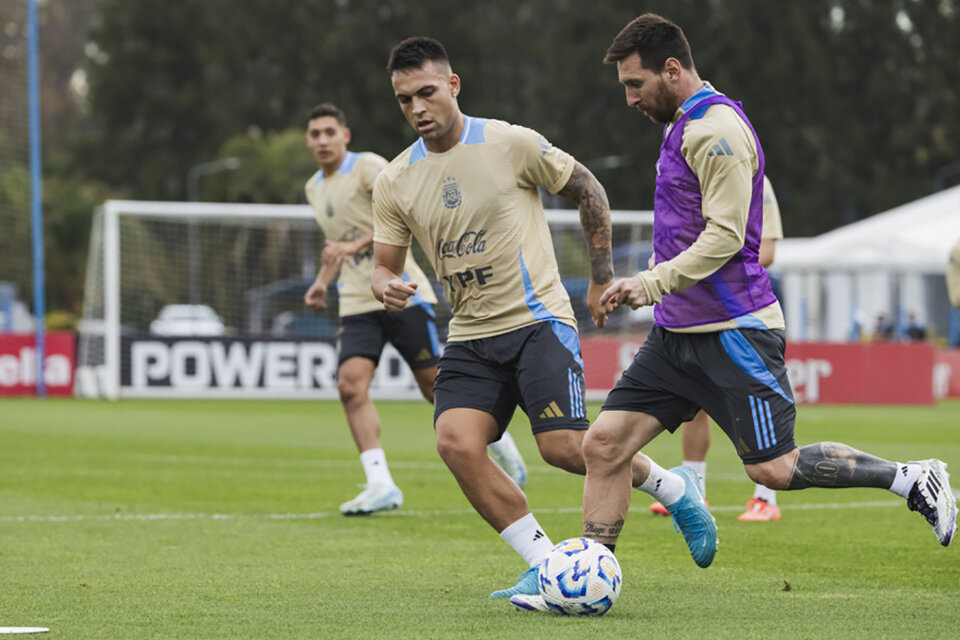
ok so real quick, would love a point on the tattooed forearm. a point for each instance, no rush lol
(834, 465)
(584, 189)
(602, 532)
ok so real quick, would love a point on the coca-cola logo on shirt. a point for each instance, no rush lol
(469, 243)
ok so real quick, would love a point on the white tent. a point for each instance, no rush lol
(890, 264)
(916, 237)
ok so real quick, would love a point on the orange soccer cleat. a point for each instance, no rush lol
(759, 510)
(658, 509)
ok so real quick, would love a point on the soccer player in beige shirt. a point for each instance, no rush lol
(467, 189)
(953, 284)
(340, 195)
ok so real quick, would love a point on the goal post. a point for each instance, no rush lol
(202, 299)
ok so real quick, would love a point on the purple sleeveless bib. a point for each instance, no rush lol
(741, 285)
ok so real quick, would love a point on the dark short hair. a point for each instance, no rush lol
(328, 109)
(654, 39)
(412, 53)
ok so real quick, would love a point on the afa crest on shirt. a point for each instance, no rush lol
(451, 193)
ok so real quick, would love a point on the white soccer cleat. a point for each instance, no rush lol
(506, 454)
(529, 603)
(376, 497)
(932, 496)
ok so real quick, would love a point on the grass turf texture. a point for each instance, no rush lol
(204, 519)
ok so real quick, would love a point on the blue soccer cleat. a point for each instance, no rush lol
(528, 584)
(692, 517)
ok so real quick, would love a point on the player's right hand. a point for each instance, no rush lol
(626, 291)
(396, 293)
(316, 296)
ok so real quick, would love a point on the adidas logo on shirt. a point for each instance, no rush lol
(722, 148)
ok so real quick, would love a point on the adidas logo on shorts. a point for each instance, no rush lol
(552, 410)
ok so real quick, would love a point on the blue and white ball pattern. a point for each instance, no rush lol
(580, 577)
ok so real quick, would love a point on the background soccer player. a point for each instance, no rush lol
(718, 342)
(340, 193)
(467, 188)
(953, 286)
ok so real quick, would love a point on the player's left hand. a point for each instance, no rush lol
(597, 311)
(627, 291)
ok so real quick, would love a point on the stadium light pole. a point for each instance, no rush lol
(36, 195)
(193, 194)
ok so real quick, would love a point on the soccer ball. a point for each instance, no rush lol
(580, 577)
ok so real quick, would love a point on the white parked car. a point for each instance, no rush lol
(187, 320)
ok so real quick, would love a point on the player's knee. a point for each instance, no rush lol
(351, 389)
(768, 474)
(452, 447)
(601, 448)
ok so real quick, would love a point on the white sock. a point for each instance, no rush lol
(665, 486)
(527, 538)
(700, 466)
(375, 466)
(504, 445)
(907, 474)
(767, 495)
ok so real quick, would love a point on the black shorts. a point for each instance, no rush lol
(412, 331)
(738, 377)
(537, 367)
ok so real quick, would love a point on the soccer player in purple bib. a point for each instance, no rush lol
(718, 343)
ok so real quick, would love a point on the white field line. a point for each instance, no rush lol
(291, 462)
(154, 517)
(537, 469)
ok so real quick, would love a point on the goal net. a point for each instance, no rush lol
(189, 299)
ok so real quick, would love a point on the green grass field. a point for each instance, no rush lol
(203, 519)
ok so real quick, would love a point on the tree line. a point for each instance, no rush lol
(856, 102)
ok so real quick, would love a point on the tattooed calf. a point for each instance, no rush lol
(835, 465)
(603, 532)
